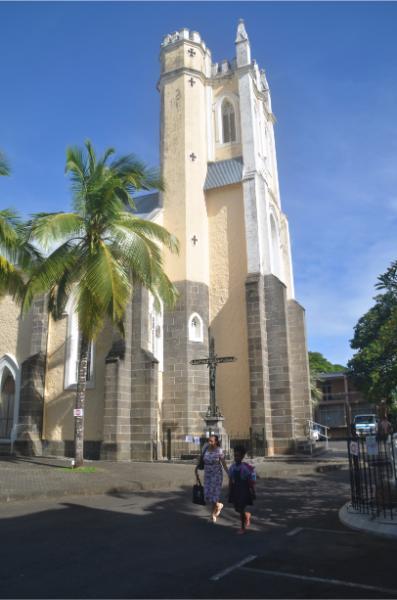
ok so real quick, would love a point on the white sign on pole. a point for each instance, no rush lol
(354, 448)
(78, 412)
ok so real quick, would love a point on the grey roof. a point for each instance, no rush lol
(146, 203)
(224, 172)
(331, 375)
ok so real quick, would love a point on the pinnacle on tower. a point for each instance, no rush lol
(241, 32)
(243, 49)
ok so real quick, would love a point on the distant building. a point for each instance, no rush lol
(340, 402)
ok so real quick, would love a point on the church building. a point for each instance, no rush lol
(234, 276)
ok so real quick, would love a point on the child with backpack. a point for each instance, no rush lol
(242, 479)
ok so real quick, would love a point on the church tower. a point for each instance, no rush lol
(234, 271)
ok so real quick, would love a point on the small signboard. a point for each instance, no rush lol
(78, 412)
(354, 448)
(197, 440)
(372, 445)
(189, 438)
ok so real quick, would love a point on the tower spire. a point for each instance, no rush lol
(243, 48)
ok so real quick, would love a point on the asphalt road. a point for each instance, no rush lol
(159, 545)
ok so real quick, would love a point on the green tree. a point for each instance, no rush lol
(17, 255)
(99, 252)
(374, 366)
(319, 364)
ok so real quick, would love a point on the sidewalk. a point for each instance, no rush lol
(25, 478)
(382, 525)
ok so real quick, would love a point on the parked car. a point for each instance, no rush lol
(365, 424)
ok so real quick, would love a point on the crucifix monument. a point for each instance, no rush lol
(213, 417)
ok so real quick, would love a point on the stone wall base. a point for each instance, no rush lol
(51, 448)
(284, 446)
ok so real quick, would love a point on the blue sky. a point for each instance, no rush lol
(71, 71)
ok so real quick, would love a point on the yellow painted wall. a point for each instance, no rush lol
(59, 403)
(184, 133)
(228, 320)
(15, 333)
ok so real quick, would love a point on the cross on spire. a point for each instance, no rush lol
(192, 156)
(212, 361)
(191, 52)
(192, 81)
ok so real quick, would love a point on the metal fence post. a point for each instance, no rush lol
(169, 453)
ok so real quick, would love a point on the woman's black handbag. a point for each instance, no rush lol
(200, 465)
(198, 494)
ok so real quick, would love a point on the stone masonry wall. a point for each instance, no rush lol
(144, 383)
(279, 368)
(30, 423)
(258, 358)
(299, 367)
(185, 387)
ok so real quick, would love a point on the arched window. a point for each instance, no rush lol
(196, 329)
(73, 349)
(155, 333)
(7, 404)
(228, 122)
(276, 260)
(9, 392)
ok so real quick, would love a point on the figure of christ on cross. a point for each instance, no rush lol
(212, 361)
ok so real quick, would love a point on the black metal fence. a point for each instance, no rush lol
(177, 447)
(373, 475)
(254, 442)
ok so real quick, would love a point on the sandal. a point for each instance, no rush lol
(218, 510)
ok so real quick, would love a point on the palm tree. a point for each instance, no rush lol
(102, 251)
(16, 254)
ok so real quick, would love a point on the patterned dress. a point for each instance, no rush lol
(213, 474)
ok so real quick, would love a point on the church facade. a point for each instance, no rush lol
(234, 276)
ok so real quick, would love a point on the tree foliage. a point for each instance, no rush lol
(17, 255)
(99, 252)
(374, 365)
(319, 364)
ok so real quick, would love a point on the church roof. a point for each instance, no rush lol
(224, 172)
(147, 202)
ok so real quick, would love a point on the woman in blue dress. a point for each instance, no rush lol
(214, 462)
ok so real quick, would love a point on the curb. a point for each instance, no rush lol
(364, 524)
(134, 487)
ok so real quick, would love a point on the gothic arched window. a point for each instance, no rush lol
(228, 122)
(276, 259)
(196, 330)
(73, 349)
(9, 392)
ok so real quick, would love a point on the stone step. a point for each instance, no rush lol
(5, 448)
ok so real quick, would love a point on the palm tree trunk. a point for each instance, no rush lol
(80, 398)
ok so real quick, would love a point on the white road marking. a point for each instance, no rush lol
(232, 568)
(339, 531)
(340, 582)
(295, 531)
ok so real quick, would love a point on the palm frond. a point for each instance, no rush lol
(49, 273)
(50, 228)
(4, 165)
(107, 280)
(153, 231)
